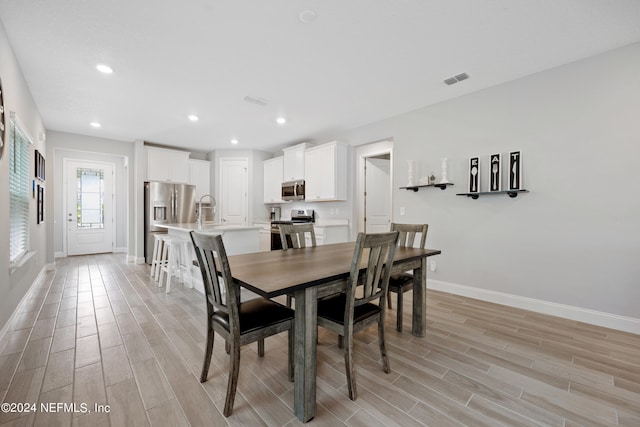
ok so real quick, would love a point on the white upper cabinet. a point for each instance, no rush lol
(293, 168)
(167, 165)
(273, 180)
(200, 176)
(326, 172)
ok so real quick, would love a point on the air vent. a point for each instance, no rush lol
(457, 78)
(256, 100)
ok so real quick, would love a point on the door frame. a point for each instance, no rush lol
(373, 149)
(65, 177)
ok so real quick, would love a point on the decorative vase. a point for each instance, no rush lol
(412, 173)
(444, 179)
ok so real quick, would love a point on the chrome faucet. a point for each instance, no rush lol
(213, 206)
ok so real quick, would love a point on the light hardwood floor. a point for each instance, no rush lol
(99, 331)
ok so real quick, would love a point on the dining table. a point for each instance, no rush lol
(311, 273)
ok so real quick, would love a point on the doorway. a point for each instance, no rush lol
(375, 193)
(377, 206)
(89, 207)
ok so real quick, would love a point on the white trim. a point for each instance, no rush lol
(22, 302)
(135, 260)
(121, 250)
(579, 314)
(51, 266)
(60, 255)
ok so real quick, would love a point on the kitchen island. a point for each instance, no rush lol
(238, 239)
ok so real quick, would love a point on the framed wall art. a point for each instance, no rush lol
(40, 204)
(496, 172)
(515, 170)
(474, 174)
(39, 166)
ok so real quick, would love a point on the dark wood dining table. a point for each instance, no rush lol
(311, 273)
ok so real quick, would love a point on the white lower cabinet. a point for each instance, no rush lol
(264, 240)
(328, 234)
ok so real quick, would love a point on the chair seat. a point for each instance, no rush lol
(256, 314)
(401, 282)
(332, 308)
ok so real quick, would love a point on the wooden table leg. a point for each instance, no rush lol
(306, 333)
(419, 316)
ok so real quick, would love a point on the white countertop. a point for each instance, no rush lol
(331, 222)
(192, 226)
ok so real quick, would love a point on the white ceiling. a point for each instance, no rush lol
(359, 61)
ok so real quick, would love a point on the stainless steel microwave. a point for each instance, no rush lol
(293, 190)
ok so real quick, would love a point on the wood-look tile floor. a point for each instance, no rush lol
(98, 332)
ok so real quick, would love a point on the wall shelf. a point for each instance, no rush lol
(510, 193)
(415, 188)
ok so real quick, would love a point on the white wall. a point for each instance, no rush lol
(575, 238)
(18, 99)
(65, 145)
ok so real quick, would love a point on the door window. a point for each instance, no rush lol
(90, 203)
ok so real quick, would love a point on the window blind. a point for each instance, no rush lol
(18, 193)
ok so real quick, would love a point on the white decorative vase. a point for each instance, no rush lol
(411, 173)
(444, 179)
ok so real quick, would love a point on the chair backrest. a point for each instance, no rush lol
(296, 233)
(364, 287)
(214, 267)
(408, 234)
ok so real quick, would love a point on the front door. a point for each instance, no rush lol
(376, 203)
(233, 191)
(89, 207)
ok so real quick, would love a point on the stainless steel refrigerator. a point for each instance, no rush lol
(166, 203)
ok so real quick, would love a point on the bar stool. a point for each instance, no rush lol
(156, 258)
(174, 252)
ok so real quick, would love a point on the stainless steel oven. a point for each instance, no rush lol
(297, 216)
(293, 190)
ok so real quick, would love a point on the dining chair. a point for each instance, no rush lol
(363, 301)
(403, 282)
(238, 323)
(294, 236)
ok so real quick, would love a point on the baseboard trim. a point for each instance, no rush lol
(135, 260)
(593, 317)
(22, 302)
(122, 250)
(59, 254)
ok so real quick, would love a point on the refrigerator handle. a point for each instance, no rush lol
(173, 205)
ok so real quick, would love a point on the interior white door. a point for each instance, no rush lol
(90, 201)
(233, 191)
(377, 204)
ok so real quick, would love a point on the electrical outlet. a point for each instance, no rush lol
(432, 265)
(402, 211)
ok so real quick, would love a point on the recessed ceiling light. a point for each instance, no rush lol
(234, 141)
(104, 68)
(193, 118)
(281, 120)
(307, 16)
(95, 124)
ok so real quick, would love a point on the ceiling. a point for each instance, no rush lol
(357, 62)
